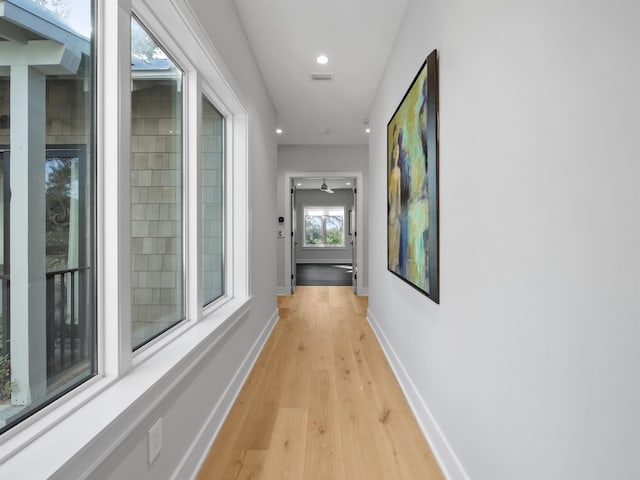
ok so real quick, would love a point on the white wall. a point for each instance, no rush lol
(198, 402)
(530, 364)
(322, 158)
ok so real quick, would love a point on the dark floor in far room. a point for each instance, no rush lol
(323, 274)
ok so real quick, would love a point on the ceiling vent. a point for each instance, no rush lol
(322, 76)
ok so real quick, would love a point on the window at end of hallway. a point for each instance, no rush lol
(324, 227)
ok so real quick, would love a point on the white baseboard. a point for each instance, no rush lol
(283, 291)
(363, 291)
(199, 449)
(444, 454)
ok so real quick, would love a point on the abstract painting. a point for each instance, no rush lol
(412, 184)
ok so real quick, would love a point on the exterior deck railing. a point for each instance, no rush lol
(66, 326)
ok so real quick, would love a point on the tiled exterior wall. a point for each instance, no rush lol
(212, 199)
(67, 121)
(156, 195)
(65, 107)
(156, 211)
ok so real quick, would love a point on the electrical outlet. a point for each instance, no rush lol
(155, 440)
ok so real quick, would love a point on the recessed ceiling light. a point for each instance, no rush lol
(278, 131)
(368, 130)
(348, 183)
(322, 59)
(298, 184)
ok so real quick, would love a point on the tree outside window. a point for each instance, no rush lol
(324, 226)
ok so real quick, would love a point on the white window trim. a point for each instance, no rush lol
(104, 409)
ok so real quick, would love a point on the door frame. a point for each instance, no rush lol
(360, 237)
(291, 234)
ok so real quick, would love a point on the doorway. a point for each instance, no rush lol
(322, 229)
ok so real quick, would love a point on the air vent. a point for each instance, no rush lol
(322, 76)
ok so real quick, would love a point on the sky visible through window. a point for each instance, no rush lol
(75, 14)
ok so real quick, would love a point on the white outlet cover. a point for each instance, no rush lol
(155, 440)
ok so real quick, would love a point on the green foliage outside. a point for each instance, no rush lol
(58, 204)
(5, 378)
(313, 230)
(142, 45)
(5, 374)
(334, 230)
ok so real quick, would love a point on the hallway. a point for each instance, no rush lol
(321, 402)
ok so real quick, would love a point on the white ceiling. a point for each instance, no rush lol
(314, 183)
(288, 35)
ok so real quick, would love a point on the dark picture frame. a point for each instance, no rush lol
(412, 184)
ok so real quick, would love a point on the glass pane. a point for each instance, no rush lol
(73, 14)
(47, 194)
(212, 202)
(156, 189)
(334, 228)
(313, 230)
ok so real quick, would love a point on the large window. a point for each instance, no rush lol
(157, 243)
(324, 227)
(47, 204)
(212, 202)
(89, 274)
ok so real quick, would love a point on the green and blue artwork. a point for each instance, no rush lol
(412, 184)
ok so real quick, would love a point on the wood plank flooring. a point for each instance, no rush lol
(321, 403)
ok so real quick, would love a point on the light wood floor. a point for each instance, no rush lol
(321, 403)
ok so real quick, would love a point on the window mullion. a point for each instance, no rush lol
(193, 197)
(114, 159)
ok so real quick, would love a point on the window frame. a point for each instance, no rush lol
(145, 376)
(53, 150)
(184, 183)
(206, 92)
(323, 245)
(195, 87)
(62, 403)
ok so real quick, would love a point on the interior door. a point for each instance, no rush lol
(354, 242)
(294, 236)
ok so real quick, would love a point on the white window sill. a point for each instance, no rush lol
(107, 409)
